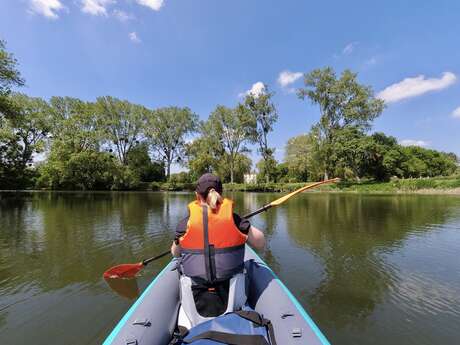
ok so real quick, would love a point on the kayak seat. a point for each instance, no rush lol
(244, 327)
(201, 302)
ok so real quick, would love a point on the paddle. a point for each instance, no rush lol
(130, 270)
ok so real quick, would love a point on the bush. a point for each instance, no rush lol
(125, 179)
(87, 170)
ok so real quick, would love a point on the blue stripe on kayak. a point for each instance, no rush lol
(131, 310)
(299, 307)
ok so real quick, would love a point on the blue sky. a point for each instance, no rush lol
(204, 53)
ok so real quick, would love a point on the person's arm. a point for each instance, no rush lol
(175, 249)
(180, 231)
(256, 238)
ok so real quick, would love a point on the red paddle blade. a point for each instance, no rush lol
(123, 271)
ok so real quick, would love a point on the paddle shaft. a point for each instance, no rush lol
(260, 210)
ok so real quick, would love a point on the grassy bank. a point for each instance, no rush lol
(448, 185)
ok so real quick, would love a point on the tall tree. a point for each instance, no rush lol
(232, 129)
(264, 115)
(22, 136)
(74, 124)
(201, 156)
(9, 77)
(167, 129)
(343, 102)
(296, 157)
(122, 123)
(140, 162)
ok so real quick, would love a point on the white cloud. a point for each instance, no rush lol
(411, 142)
(134, 38)
(370, 62)
(153, 4)
(256, 90)
(122, 16)
(456, 113)
(416, 86)
(349, 48)
(96, 7)
(287, 78)
(47, 8)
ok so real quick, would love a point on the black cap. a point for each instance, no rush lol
(207, 182)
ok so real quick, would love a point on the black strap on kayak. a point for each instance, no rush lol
(260, 321)
(241, 339)
(229, 338)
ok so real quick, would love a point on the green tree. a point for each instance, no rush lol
(167, 129)
(296, 157)
(140, 162)
(241, 165)
(267, 169)
(264, 115)
(74, 125)
(230, 129)
(22, 136)
(343, 102)
(201, 157)
(121, 122)
(9, 77)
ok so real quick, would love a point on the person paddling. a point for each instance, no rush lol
(210, 245)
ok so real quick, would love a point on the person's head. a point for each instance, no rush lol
(209, 190)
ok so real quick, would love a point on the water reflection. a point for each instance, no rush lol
(124, 287)
(368, 268)
(353, 241)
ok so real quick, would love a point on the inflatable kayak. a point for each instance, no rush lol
(152, 319)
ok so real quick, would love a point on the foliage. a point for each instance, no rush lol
(264, 115)
(9, 77)
(228, 130)
(201, 157)
(75, 125)
(181, 177)
(167, 128)
(139, 161)
(242, 165)
(85, 170)
(105, 144)
(296, 156)
(267, 169)
(343, 102)
(22, 136)
(121, 123)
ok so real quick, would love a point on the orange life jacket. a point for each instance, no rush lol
(212, 247)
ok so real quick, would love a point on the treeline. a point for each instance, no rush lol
(112, 144)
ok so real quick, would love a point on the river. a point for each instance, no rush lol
(369, 269)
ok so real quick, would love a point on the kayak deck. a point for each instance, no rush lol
(152, 318)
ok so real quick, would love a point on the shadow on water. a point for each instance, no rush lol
(126, 288)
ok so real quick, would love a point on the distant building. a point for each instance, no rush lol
(250, 178)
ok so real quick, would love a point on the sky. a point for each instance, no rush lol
(206, 53)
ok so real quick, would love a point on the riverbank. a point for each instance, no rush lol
(441, 185)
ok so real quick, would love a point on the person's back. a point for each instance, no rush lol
(210, 245)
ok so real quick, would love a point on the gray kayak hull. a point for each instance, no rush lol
(152, 318)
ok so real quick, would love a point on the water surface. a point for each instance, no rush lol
(369, 269)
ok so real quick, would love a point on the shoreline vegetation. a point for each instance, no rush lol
(66, 143)
(441, 185)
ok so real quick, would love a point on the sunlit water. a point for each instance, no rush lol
(369, 269)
